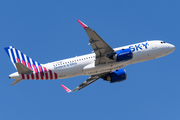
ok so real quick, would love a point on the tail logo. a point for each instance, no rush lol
(39, 71)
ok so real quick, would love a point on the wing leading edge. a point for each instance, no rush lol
(100, 47)
(84, 84)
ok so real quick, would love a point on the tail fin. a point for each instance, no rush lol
(17, 56)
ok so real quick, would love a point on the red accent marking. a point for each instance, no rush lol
(29, 66)
(36, 72)
(55, 74)
(32, 76)
(46, 74)
(82, 24)
(23, 77)
(37, 76)
(17, 59)
(45, 70)
(67, 90)
(28, 77)
(23, 62)
(40, 72)
(51, 75)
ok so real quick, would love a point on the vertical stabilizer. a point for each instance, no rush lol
(17, 57)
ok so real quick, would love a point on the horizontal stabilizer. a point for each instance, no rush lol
(16, 81)
(22, 69)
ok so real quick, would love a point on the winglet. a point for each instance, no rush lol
(82, 24)
(67, 89)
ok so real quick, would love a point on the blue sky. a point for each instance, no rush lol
(48, 31)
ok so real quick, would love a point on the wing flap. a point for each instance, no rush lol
(84, 84)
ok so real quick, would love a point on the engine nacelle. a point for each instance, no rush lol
(123, 55)
(116, 76)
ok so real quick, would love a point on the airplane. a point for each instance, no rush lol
(104, 62)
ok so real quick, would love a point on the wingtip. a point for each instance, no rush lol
(82, 24)
(66, 89)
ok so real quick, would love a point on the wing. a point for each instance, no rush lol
(84, 84)
(100, 47)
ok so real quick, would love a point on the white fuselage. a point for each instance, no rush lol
(104, 63)
(85, 64)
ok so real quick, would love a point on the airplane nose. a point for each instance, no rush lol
(171, 47)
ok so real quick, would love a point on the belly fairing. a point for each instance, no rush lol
(91, 69)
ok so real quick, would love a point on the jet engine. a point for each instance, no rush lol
(116, 76)
(122, 55)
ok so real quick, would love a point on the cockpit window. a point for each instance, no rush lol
(162, 42)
